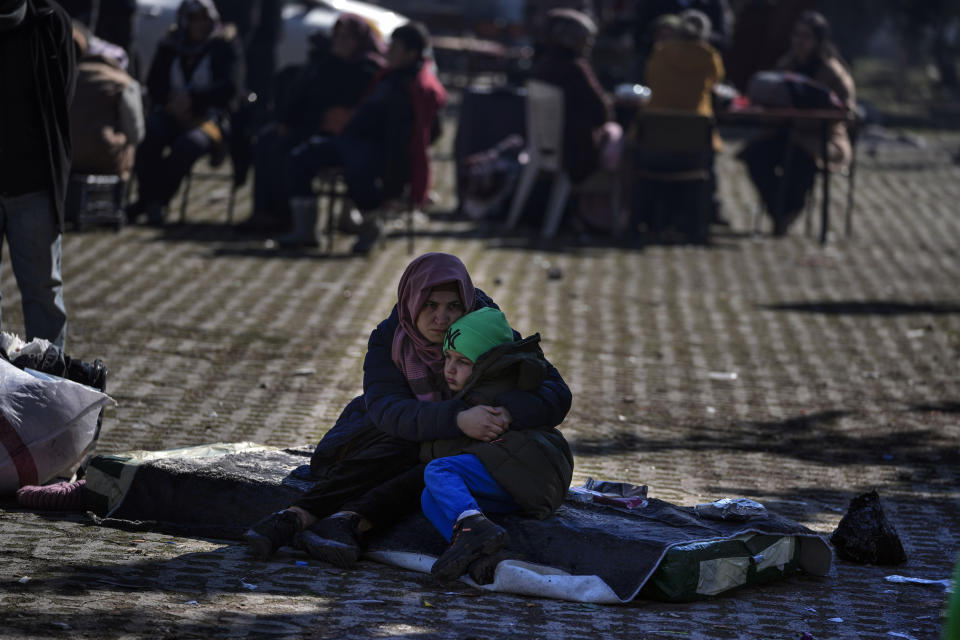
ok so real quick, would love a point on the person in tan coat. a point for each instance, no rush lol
(683, 70)
(106, 116)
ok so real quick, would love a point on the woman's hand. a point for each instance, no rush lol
(483, 422)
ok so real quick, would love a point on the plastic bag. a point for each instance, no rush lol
(735, 509)
(616, 494)
(46, 425)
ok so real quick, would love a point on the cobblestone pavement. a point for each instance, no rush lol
(847, 379)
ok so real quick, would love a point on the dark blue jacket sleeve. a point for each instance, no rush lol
(543, 408)
(390, 402)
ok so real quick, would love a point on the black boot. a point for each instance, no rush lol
(473, 537)
(334, 539)
(276, 530)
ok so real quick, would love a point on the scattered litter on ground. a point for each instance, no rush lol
(734, 509)
(622, 418)
(304, 371)
(723, 375)
(24, 580)
(302, 563)
(945, 583)
(897, 634)
(834, 619)
(427, 603)
(247, 585)
(61, 625)
(864, 534)
(711, 410)
(213, 414)
(191, 602)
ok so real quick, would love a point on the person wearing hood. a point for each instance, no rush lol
(38, 68)
(106, 117)
(193, 84)
(589, 132)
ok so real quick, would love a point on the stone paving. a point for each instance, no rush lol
(847, 362)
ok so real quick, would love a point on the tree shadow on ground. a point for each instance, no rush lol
(815, 437)
(866, 307)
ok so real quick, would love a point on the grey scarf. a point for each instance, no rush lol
(12, 13)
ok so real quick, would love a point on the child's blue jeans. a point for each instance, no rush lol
(457, 484)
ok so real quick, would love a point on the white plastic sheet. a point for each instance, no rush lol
(46, 425)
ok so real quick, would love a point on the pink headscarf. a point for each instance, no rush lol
(413, 354)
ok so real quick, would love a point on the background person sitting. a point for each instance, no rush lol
(194, 81)
(106, 115)
(813, 55)
(682, 72)
(320, 101)
(648, 13)
(383, 147)
(588, 128)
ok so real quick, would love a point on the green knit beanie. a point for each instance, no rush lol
(476, 333)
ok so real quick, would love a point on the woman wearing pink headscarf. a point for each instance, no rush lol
(376, 441)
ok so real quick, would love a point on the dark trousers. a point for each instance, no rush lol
(380, 477)
(360, 163)
(783, 174)
(269, 180)
(159, 176)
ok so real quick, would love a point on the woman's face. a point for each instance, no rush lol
(343, 44)
(803, 42)
(199, 26)
(441, 309)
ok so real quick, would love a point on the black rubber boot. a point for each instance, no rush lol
(334, 539)
(276, 530)
(473, 537)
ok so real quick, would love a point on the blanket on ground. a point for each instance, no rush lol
(587, 552)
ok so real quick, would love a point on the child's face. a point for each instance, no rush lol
(456, 369)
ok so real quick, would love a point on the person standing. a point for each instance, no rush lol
(38, 65)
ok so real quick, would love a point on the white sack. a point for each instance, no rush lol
(46, 425)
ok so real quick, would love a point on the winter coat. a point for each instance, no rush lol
(427, 97)
(389, 404)
(533, 465)
(43, 43)
(586, 108)
(391, 130)
(106, 118)
(681, 75)
(221, 61)
(833, 75)
(319, 86)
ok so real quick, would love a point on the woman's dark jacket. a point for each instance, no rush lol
(226, 73)
(43, 46)
(320, 85)
(586, 108)
(388, 403)
(535, 466)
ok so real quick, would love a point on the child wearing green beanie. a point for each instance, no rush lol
(519, 471)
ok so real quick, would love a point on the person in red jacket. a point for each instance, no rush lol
(383, 148)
